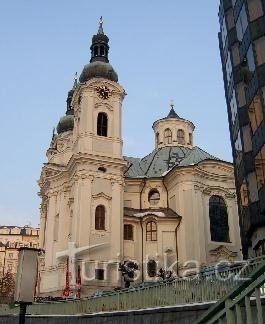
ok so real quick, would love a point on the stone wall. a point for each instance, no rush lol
(181, 314)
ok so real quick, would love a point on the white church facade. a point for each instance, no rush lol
(172, 209)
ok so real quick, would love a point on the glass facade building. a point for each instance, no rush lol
(242, 48)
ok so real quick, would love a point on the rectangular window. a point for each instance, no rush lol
(235, 54)
(238, 148)
(244, 194)
(252, 187)
(242, 23)
(241, 97)
(223, 32)
(128, 232)
(99, 274)
(251, 59)
(230, 19)
(260, 50)
(228, 68)
(233, 107)
(255, 113)
(247, 138)
(255, 9)
(260, 167)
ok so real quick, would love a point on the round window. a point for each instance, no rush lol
(153, 197)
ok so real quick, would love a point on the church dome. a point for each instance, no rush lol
(66, 123)
(98, 69)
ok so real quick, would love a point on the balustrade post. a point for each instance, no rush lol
(248, 310)
(230, 313)
(259, 307)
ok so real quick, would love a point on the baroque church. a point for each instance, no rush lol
(173, 209)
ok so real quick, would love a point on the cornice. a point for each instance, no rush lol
(196, 170)
(87, 158)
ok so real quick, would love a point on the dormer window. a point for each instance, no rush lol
(168, 136)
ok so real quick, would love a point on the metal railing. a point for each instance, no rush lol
(204, 287)
(237, 306)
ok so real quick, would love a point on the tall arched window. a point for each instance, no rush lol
(153, 197)
(100, 218)
(102, 124)
(151, 231)
(167, 136)
(101, 50)
(218, 219)
(180, 136)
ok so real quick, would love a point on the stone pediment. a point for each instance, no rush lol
(101, 195)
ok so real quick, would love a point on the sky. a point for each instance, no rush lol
(161, 50)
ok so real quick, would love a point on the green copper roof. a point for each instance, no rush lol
(157, 163)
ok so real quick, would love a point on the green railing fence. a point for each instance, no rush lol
(194, 289)
(237, 306)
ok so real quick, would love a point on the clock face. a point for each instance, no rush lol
(103, 92)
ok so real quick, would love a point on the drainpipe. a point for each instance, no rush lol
(163, 180)
(142, 266)
(142, 192)
(177, 250)
(142, 240)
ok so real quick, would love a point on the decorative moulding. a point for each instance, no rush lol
(101, 195)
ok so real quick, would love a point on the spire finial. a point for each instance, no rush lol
(100, 27)
(53, 133)
(172, 113)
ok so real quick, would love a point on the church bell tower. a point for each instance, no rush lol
(91, 178)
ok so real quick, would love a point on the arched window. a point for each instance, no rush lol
(218, 219)
(102, 124)
(157, 139)
(167, 136)
(180, 136)
(100, 218)
(190, 138)
(95, 51)
(151, 231)
(101, 50)
(128, 232)
(151, 268)
(153, 197)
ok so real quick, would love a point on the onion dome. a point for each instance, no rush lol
(99, 66)
(66, 123)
